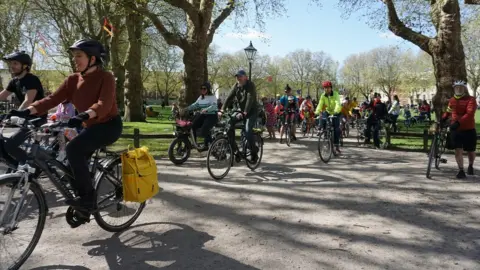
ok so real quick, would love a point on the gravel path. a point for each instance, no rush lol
(367, 209)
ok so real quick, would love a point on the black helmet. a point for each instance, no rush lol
(21, 57)
(287, 88)
(207, 85)
(92, 48)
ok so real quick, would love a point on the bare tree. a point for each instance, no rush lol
(202, 19)
(471, 36)
(387, 69)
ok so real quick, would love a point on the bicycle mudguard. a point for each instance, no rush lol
(9, 177)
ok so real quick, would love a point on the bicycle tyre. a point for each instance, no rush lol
(288, 134)
(259, 141)
(42, 204)
(171, 150)
(440, 151)
(431, 156)
(321, 141)
(99, 218)
(220, 140)
(347, 130)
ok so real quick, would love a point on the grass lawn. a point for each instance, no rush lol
(417, 143)
(158, 147)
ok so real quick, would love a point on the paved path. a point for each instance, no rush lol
(368, 209)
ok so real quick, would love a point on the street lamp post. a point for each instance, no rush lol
(308, 88)
(250, 52)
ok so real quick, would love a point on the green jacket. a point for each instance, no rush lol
(246, 96)
(331, 104)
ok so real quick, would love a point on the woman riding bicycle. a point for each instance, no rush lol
(207, 104)
(92, 91)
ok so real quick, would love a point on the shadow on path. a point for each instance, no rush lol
(161, 245)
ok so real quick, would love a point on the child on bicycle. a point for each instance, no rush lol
(307, 113)
(290, 105)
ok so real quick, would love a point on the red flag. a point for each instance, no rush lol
(108, 27)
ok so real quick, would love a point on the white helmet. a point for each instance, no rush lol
(460, 83)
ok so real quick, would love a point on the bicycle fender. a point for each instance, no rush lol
(9, 177)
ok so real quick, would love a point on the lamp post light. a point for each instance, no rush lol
(308, 88)
(250, 52)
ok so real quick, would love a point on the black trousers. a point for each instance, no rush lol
(80, 149)
(205, 122)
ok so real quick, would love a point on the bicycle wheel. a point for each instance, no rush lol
(288, 134)
(114, 214)
(220, 151)
(347, 130)
(180, 147)
(24, 245)
(440, 151)
(431, 156)
(259, 144)
(325, 147)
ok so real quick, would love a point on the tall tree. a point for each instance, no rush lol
(434, 26)
(387, 69)
(202, 19)
(300, 67)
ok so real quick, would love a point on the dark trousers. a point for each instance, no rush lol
(336, 126)
(80, 149)
(205, 122)
(394, 119)
(249, 125)
(371, 123)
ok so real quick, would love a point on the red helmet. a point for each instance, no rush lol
(326, 84)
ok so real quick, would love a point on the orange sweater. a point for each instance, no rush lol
(94, 91)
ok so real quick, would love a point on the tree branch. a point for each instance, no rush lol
(187, 7)
(220, 19)
(400, 29)
(170, 38)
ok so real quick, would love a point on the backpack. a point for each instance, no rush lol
(139, 172)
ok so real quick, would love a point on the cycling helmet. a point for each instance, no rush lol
(459, 83)
(326, 84)
(21, 57)
(91, 48)
(287, 88)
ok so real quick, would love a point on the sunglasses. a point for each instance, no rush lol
(203, 88)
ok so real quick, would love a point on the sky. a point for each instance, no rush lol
(309, 27)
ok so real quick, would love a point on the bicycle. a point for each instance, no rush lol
(325, 140)
(24, 180)
(437, 148)
(288, 124)
(225, 148)
(180, 148)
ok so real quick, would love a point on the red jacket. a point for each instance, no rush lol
(463, 111)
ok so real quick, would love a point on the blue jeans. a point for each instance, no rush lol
(336, 126)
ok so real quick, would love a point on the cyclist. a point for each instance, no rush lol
(346, 112)
(307, 112)
(27, 89)
(461, 108)
(92, 91)
(245, 93)
(207, 103)
(290, 106)
(330, 105)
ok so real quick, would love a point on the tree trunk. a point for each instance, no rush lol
(133, 67)
(449, 66)
(117, 66)
(194, 59)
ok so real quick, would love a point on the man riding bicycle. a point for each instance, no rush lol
(330, 105)
(290, 107)
(27, 89)
(246, 95)
(92, 92)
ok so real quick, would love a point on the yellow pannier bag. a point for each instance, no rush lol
(139, 173)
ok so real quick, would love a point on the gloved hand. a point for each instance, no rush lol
(77, 120)
(20, 113)
(454, 126)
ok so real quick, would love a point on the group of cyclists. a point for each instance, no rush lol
(91, 90)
